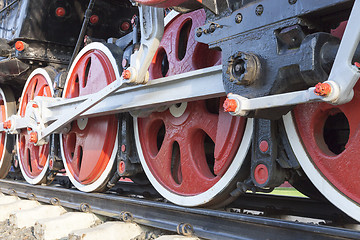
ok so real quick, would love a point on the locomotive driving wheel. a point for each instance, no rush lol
(192, 153)
(34, 160)
(7, 108)
(89, 148)
(325, 141)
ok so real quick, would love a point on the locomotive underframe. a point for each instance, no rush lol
(54, 114)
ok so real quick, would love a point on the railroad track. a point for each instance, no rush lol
(203, 223)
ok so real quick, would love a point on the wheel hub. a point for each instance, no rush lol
(177, 110)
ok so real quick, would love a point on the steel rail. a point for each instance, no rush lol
(206, 223)
(284, 205)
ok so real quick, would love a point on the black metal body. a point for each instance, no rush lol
(50, 39)
(285, 39)
(37, 20)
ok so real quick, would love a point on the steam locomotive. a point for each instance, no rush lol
(205, 100)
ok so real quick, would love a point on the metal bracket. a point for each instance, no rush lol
(343, 77)
(344, 73)
(152, 30)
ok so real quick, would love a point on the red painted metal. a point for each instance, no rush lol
(20, 46)
(125, 26)
(186, 171)
(33, 137)
(161, 3)
(88, 151)
(94, 19)
(190, 153)
(341, 170)
(33, 158)
(230, 105)
(7, 124)
(264, 146)
(126, 74)
(322, 89)
(261, 174)
(123, 148)
(60, 12)
(122, 167)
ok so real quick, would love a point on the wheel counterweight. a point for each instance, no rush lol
(34, 160)
(192, 153)
(89, 148)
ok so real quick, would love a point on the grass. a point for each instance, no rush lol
(286, 191)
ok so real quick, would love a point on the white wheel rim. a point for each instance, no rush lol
(100, 181)
(5, 141)
(42, 174)
(327, 189)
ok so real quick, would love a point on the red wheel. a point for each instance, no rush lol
(325, 140)
(89, 148)
(161, 3)
(190, 151)
(34, 160)
(7, 108)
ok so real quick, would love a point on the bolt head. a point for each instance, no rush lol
(7, 124)
(122, 167)
(60, 12)
(322, 89)
(238, 18)
(230, 105)
(212, 28)
(126, 74)
(20, 46)
(259, 10)
(264, 146)
(199, 32)
(33, 137)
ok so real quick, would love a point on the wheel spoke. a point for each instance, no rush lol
(34, 153)
(210, 125)
(163, 160)
(227, 126)
(2, 113)
(194, 168)
(31, 92)
(75, 161)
